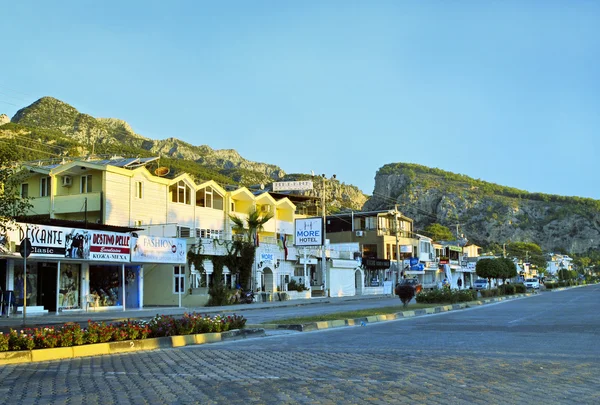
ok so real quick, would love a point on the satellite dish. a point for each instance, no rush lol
(162, 171)
(262, 186)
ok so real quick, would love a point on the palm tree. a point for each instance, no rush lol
(246, 248)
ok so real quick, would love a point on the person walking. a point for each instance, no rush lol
(459, 283)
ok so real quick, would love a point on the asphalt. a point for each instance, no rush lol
(17, 321)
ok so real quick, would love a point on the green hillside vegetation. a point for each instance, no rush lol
(457, 183)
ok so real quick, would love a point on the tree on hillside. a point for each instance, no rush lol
(438, 232)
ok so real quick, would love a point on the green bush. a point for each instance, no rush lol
(293, 286)
(446, 296)
(405, 293)
(520, 288)
(507, 289)
(489, 293)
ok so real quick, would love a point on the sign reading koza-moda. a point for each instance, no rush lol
(309, 232)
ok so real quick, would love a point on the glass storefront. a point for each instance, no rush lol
(32, 284)
(106, 285)
(69, 290)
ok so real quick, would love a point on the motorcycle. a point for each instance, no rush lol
(247, 297)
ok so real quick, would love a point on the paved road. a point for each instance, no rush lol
(541, 349)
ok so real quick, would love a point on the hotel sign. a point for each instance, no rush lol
(292, 185)
(309, 232)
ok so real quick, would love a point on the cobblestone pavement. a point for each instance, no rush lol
(224, 376)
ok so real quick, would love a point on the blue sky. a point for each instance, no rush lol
(506, 92)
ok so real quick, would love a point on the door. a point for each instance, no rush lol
(47, 286)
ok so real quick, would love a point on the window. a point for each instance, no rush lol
(24, 190)
(181, 193)
(184, 231)
(137, 223)
(139, 189)
(178, 279)
(209, 233)
(371, 223)
(209, 198)
(86, 184)
(44, 186)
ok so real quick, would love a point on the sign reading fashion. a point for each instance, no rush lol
(148, 249)
(309, 232)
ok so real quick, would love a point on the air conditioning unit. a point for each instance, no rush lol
(360, 233)
(67, 181)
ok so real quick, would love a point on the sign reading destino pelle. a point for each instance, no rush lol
(309, 232)
(292, 185)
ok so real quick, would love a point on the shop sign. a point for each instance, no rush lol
(405, 248)
(374, 264)
(154, 249)
(46, 241)
(267, 257)
(74, 243)
(292, 185)
(109, 247)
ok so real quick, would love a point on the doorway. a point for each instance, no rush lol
(47, 285)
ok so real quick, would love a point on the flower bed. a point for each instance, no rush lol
(72, 334)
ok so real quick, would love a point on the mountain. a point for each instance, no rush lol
(487, 213)
(484, 212)
(52, 129)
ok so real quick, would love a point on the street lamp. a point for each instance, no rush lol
(324, 213)
(395, 214)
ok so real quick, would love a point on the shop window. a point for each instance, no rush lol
(19, 285)
(106, 285)
(68, 293)
(178, 279)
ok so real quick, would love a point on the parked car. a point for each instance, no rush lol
(532, 283)
(413, 282)
(480, 284)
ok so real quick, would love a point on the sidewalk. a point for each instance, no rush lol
(16, 321)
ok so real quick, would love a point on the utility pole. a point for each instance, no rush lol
(397, 225)
(324, 255)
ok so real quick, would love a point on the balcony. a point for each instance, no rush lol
(66, 204)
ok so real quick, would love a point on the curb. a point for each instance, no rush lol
(312, 326)
(128, 346)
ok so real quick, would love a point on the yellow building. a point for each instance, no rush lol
(123, 192)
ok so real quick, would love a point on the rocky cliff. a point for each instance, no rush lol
(485, 212)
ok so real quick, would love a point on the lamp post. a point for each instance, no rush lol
(397, 243)
(324, 256)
